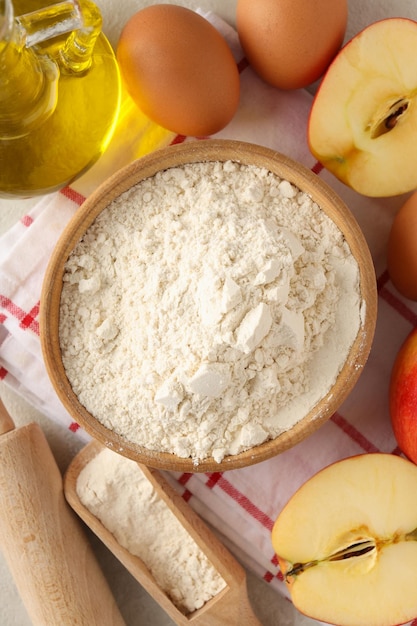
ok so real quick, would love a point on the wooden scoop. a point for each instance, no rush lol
(44, 544)
(231, 606)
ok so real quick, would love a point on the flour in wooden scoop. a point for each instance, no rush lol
(115, 490)
(208, 309)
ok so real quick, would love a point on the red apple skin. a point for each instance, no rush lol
(403, 397)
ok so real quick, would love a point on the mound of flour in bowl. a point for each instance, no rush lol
(208, 309)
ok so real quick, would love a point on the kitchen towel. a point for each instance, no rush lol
(241, 505)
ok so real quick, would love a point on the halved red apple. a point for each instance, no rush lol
(363, 121)
(347, 542)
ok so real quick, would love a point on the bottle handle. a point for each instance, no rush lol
(80, 18)
(48, 22)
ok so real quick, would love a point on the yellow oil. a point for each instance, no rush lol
(70, 140)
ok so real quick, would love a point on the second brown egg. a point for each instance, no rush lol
(290, 43)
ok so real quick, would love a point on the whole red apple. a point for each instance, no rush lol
(403, 396)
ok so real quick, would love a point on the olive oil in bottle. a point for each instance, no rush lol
(59, 96)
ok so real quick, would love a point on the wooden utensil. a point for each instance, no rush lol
(44, 544)
(231, 606)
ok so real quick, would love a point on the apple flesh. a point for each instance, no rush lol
(403, 396)
(347, 542)
(363, 120)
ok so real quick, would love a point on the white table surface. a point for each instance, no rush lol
(137, 607)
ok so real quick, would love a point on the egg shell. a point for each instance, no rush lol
(402, 249)
(179, 70)
(290, 43)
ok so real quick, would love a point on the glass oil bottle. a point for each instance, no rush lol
(59, 94)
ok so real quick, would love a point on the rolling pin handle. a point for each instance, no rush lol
(43, 542)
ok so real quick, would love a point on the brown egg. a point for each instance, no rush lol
(179, 70)
(290, 43)
(402, 249)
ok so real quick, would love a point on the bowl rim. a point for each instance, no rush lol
(175, 156)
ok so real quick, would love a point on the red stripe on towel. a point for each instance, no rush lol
(26, 220)
(27, 319)
(398, 305)
(317, 168)
(73, 195)
(184, 478)
(352, 432)
(261, 517)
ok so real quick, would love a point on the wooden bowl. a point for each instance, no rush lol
(199, 151)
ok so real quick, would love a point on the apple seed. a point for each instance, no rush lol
(390, 118)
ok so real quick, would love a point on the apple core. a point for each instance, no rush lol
(390, 119)
(346, 542)
(363, 120)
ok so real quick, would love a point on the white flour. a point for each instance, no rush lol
(208, 309)
(115, 490)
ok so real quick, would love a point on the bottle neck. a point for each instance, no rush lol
(30, 69)
(28, 82)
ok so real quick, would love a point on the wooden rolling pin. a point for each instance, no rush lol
(44, 544)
